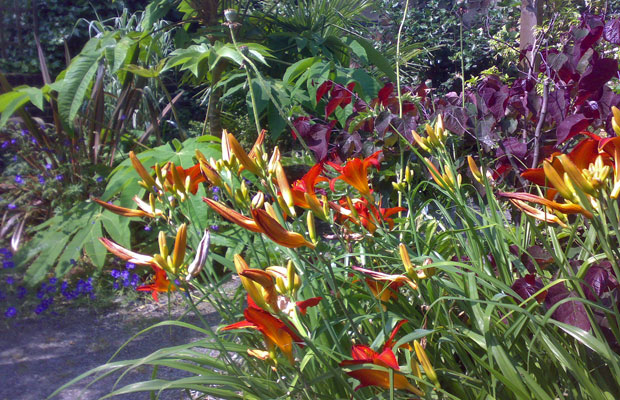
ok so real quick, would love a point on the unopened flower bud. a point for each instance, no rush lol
(311, 227)
(258, 200)
(201, 257)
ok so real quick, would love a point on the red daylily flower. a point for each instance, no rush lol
(582, 155)
(368, 215)
(275, 332)
(355, 172)
(161, 284)
(305, 186)
(182, 174)
(363, 354)
(611, 146)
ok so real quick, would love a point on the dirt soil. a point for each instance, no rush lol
(38, 355)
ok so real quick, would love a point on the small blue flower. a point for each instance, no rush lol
(99, 179)
(2, 296)
(215, 228)
(147, 228)
(13, 141)
(10, 280)
(11, 206)
(19, 180)
(10, 312)
(123, 117)
(72, 262)
(8, 264)
(53, 281)
(115, 273)
(48, 166)
(21, 292)
(130, 265)
(215, 189)
(216, 197)
(41, 179)
(59, 177)
(24, 132)
(40, 294)
(125, 274)
(126, 282)
(115, 286)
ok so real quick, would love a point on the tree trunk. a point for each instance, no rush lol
(531, 16)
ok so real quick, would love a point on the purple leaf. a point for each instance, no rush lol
(596, 282)
(570, 312)
(571, 126)
(526, 287)
(324, 88)
(597, 75)
(611, 32)
(512, 146)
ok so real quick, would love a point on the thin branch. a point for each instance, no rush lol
(541, 121)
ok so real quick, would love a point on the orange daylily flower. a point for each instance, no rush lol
(233, 216)
(363, 354)
(361, 212)
(305, 186)
(161, 284)
(274, 231)
(582, 155)
(611, 146)
(183, 179)
(275, 332)
(355, 172)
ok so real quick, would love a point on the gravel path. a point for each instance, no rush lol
(38, 355)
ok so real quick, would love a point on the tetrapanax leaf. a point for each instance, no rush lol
(570, 312)
(302, 125)
(611, 32)
(324, 88)
(527, 286)
(570, 127)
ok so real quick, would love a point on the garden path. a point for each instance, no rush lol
(38, 355)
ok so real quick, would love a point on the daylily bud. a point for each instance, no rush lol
(293, 279)
(163, 247)
(615, 121)
(404, 256)
(258, 200)
(311, 227)
(273, 161)
(280, 285)
(316, 207)
(425, 362)
(244, 190)
(475, 171)
(147, 180)
(426, 272)
(284, 187)
(208, 171)
(180, 244)
(408, 174)
(201, 257)
(161, 179)
(242, 156)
